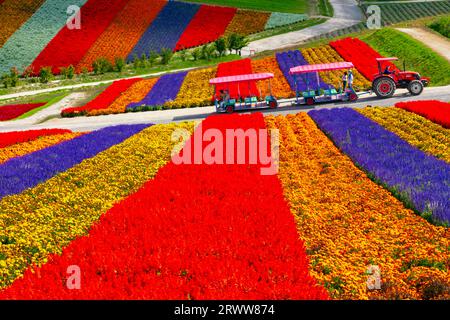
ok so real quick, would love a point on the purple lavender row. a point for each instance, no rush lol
(164, 90)
(290, 59)
(21, 173)
(166, 29)
(418, 179)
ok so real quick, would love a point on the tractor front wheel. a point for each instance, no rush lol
(384, 87)
(229, 109)
(273, 104)
(415, 87)
(352, 97)
(310, 101)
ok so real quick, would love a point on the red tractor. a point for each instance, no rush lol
(386, 81)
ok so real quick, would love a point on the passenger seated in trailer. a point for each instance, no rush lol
(388, 70)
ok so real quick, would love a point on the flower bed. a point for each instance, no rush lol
(279, 19)
(135, 93)
(36, 33)
(246, 22)
(349, 222)
(326, 54)
(418, 179)
(234, 68)
(102, 101)
(13, 111)
(222, 238)
(69, 46)
(164, 90)
(208, 25)
(10, 138)
(361, 54)
(166, 29)
(42, 142)
(195, 90)
(436, 111)
(25, 172)
(280, 86)
(14, 13)
(123, 33)
(49, 216)
(414, 129)
(290, 59)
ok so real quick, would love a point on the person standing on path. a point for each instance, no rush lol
(350, 80)
(344, 81)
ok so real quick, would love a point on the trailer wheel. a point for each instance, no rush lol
(384, 87)
(415, 87)
(229, 109)
(273, 104)
(352, 97)
(309, 101)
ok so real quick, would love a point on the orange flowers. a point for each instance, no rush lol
(246, 22)
(349, 223)
(134, 94)
(279, 84)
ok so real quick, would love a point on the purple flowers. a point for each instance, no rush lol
(420, 180)
(19, 174)
(164, 90)
(166, 29)
(287, 60)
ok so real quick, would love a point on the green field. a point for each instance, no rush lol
(441, 25)
(418, 57)
(291, 6)
(397, 12)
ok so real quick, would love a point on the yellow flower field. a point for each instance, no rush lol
(20, 149)
(414, 129)
(349, 223)
(246, 22)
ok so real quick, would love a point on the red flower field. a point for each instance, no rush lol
(233, 68)
(208, 235)
(13, 111)
(10, 138)
(207, 25)
(436, 111)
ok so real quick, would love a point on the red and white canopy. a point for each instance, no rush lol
(321, 67)
(242, 78)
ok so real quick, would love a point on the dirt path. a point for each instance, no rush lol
(346, 14)
(439, 44)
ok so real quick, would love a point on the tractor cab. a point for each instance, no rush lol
(389, 78)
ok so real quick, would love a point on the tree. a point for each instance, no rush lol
(208, 51)
(152, 57)
(166, 55)
(119, 63)
(236, 42)
(102, 65)
(14, 75)
(136, 62)
(143, 60)
(45, 74)
(196, 54)
(221, 46)
(183, 55)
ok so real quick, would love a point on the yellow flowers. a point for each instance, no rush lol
(326, 54)
(246, 22)
(280, 86)
(348, 222)
(195, 90)
(44, 219)
(20, 149)
(414, 129)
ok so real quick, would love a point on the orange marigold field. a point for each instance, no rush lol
(349, 223)
(14, 13)
(21, 149)
(123, 33)
(135, 93)
(279, 84)
(326, 54)
(246, 22)
(195, 90)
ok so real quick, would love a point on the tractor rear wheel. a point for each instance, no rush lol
(273, 104)
(415, 87)
(352, 97)
(309, 101)
(229, 109)
(384, 87)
